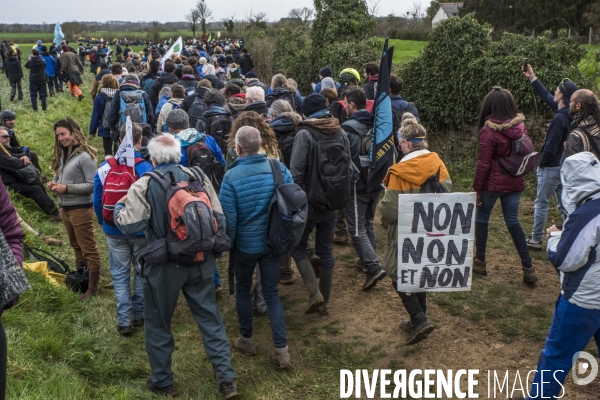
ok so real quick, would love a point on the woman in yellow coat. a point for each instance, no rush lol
(407, 176)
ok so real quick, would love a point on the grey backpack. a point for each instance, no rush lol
(132, 105)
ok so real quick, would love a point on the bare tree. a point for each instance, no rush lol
(193, 18)
(153, 32)
(373, 6)
(204, 15)
(229, 23)
(302, 15)
(417, 11)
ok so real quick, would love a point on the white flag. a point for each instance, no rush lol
(125, 154)
(175, 49)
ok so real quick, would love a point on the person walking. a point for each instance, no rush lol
(144, 208)
(245, 195)
(72, 66)
(37, 79)
(74, 166)
(51, 70)
(14, 73)
(110, 86)
(499, 124)
(548, 171)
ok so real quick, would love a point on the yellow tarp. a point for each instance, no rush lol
(41, 267)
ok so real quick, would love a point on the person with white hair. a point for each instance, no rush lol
(144, 209)
(255, 100)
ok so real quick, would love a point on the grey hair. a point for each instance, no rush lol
(131, 77)
(165, 149)
(279, 107)
(248, 138)
(208, 69)
(255, 93)
(213, 96)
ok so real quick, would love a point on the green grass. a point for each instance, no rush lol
(406, 50)
(106, 35)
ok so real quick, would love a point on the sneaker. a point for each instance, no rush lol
(164, 391)
(420, 330)
(359, 264)
(229, 389)
(281, 357)
(124, 330)
(138, 322)
(246, 346)
(529, 276)
(479, 267)
(536, 246)
(406, 325)
(373, 278)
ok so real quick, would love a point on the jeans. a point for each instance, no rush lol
(571, 329)
(269, 275)
(14, 86)
(363, 234)
(548, 185)
(324, 222)
(510, 212)
(34, 90)
(122, 253)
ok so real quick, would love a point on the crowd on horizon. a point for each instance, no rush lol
(208, 132)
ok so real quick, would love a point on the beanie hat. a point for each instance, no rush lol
(326, 72)
(327, 83)
(313, 103)
(567, 88)
(234, 73)
(229, 59)
(251, 75)
(178, 119)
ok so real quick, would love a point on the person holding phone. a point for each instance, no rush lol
(548, 171)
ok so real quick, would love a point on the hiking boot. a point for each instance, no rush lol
(479, 267)
(340, 239)
(246, 346)
(359, 264)
(406, 325)
(125, 330)
(536, 246)
(286, 278)
(92, 285)
(281, 357)
(51, 94)
(138, 322)
(421, 328)
(316, 264)
(60, 90)
(80, 97)
(310, 281)
(229, 389)
(12, 97)
(373, 278)
(163, 391)
(529, 275)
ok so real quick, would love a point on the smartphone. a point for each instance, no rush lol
(525, 64)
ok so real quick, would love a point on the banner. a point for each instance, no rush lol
(435, 242)
(209, 36)
(58, 35)
(175, 49)
(125, 154)
(382, 145)
(219, 35)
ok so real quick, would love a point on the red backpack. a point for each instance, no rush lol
(116, 185)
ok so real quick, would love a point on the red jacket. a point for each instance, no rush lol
(495, 141)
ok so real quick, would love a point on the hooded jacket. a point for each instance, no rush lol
(236, 104)
(77, 172)
(574, 251)
(369, 87)
(401, 105)
(166, 79)
(495, 140)
(359, 122)
(259, 107)
(51, 67)
(189, 136)
(284, 127)
(114, 114)
(187, 102)
(405, 177)
(100, 103)
(215, 81)
(254, 82)
(578, 141)
(37, 70)
(13, 69)
(246, 63)
(283, 93)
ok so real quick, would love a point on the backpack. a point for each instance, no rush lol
(192, 229)
(93, 57)
(189, 89)
(432, 184)
(286, 145)
(148, 85)
(365, 150)
(174, 107)
(331, 172)
(397, 116)
(55, 264)
(106, 112)
(132, 105)
(163, 100)
(222, 76)
(218, 126)
(196, 110)
(521, 160)
(287, 216)
(199, 155)
(116, 185)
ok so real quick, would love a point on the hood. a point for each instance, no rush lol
(280, 91)
(285, 123)
(328, 125)
(188, 136)
(128, 87)
(364, 117)
(45, 54)
(12, 60)
(580, 176)
(565, 111)
(215, 110)
(36, 59)
(168, 78)
(258, 107)
(236, 100)
(512, 129)
(416, 167)
(201, 91)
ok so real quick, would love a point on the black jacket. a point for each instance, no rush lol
(168, 78)
(215, 81)
(369, 87)
(37, 70)
(258, 107)
(13, 68)
(282, 93)
(246, 63)
(8, 164)
(187, 102)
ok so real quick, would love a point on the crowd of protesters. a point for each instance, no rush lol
(204, 119)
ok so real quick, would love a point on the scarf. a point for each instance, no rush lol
(109, 92)
(578, 119)
(12, 278)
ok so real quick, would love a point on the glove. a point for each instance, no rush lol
(25, 149)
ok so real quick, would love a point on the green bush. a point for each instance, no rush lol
(460, 64)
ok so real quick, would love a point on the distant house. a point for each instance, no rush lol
(446, 10)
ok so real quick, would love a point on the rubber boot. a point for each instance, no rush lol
(325, 282)
(310, 281)
(92, 285)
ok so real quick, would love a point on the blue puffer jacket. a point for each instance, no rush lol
(245, 197)
(50, 64)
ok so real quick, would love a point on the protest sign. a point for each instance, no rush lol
(125, 154)
(435, 241)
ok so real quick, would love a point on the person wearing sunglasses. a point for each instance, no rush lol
(548, 171)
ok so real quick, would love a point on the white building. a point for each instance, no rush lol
(446, 10)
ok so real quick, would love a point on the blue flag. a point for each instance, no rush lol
(382, 145)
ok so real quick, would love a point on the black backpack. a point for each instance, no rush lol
(199, 155)
(365, 149)
(218, 126)
(285, 145)
(397, 116)
(76, 280)
(432, 184)
(331, 171)
(196, 110)
(287, 215)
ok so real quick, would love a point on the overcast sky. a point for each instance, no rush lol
(38, 11)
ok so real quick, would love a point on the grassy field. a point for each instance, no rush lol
(106, 35)
(406, 50)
